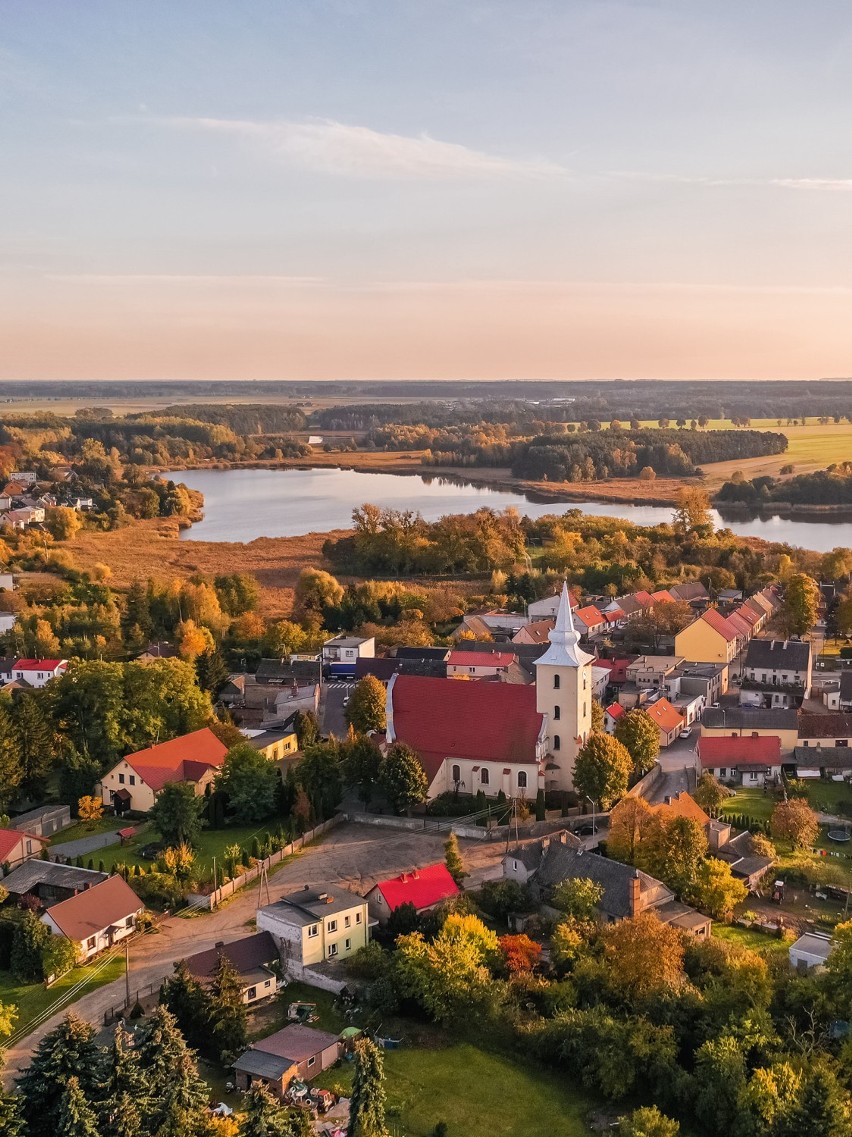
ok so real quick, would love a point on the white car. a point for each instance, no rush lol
(686, 732)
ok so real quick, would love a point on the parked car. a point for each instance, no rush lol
(686, 732)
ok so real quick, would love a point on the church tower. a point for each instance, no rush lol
(563, 687)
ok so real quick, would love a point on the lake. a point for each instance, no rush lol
(240, 505)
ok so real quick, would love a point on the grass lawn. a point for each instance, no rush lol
(33, 999)
(746, 937)
(85, 829)
(825, 796)
(751, 801)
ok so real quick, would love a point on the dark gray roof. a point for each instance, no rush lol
(562, 863)
(689, 590)
(32, 873)
(823, 757)
(422, 652)
(383, 667)
(286, 670)
(25, 820)
(792, 655)
(521, 651)
(246, 954)
(846, 687)
(307, 905)
(531, 853)
(258, 741)
(263, 1065)
(825, 726)
(749, 718)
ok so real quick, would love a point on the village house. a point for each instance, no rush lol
(756, 722)
(274, 745)
(424, 888)
(810, 951)
(523, 861)
(515, 738)
(723, 842)
(38, 672)
(707, 680)
(651, 670)
(612, 716)
(255, 958)
(43, 821)
(478, 665)
(535, 632)
(776, 673)
(709, 639)
(669, 721)
(50, 882)
(17, 847)
(314, 925)
(825, 730)
(96, 918)
(344, 651)
(296, 1052)
(746, 760)
(160, 650)
(690, 592)
(822, 762)
(589, 621)
(547, 607)
(137, 779)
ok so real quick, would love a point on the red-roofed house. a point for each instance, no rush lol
(535, 632)
(589, 620)
(712, 638)
(97, 918)
(749, 760)
(613, 714)
(663, 597)
(643, 599)
(17, 847)
(478, 664)
(424, 888)
(137, 779)
(670, 722)
(38, 672)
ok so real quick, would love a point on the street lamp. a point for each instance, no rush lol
(594, 826)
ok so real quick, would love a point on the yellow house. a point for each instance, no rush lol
(753, 722)
(709, 639)
(133, 784)
(274, 744)
(315, 925)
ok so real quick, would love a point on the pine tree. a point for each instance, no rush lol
(68, 1050)
(453, 859)
(11, 1121)
(137, 610)
(37, 745)
(211, 671)
(227, 1011)
(11, 768)
(266, 1118)
(75, 1118)
(367, 1103)
(177, 1108)
(187, 1000)
(125, 1093)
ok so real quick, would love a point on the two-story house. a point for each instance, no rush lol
(776, 673)
(342, 653)
(38, 672)
(315, 925)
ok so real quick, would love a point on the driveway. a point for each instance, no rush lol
(334, 713)
(351, 856)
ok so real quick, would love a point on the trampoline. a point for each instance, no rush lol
(840, 834)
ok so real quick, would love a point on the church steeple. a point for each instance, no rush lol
(564, 650)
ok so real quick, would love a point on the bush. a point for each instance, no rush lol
(159, 889)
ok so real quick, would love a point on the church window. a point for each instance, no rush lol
(483, 777)
(556, 742)
(522, 780)
(555, 682)
(456, 773)
(557, 712)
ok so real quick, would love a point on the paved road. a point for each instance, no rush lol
(352, 856)
(85, 845)
(334, 715)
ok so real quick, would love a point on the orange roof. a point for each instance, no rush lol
(534, 632)
(89, 912)
(644, 598)
(719, 624)
(663, 597)
(180, 760)
(590, 616)
(615, 711)
(10, 838)
(664, 715)
(682, 805)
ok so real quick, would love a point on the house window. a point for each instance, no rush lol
(252, 993)
(456, 773)
(332, 950)
(267, 983)
(313, 930)
(723, 772)
(29, 846)
(555, 682)
(347, 920)
(332, 925)
(90, 943)
(522, 780)
(515, 865)
(557, 742)
(311, 1061)
(121, 779)
(483, 777)
(128, 923)
(357, 917)
(557, 712)
(348, 944)
(133, 779)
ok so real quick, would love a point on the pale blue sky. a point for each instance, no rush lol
(363, 188)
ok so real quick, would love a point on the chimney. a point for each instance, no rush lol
(220, 943)
(635, 894)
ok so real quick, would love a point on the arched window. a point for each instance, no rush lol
(456, 773)
(483, 777)
(522, 780)
(557, 712)
(556, 742)
(555, 682)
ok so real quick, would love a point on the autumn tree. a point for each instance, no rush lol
(62, 522)
(709, 793)
(692, 512)
(794, 821)
(628, 823)
(578, 897)
(640, 736)
(647, 1121)
(644, 956)
(520, 953)
(800, 606)
(90, 810)
(597, 715)
(714, 889)
(450, 975)
(366, 709)
(315, 591)
(673, 850)
(602, 769)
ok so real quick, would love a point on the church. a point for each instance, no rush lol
(479, 735)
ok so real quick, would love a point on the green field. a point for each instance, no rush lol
(750, 801)
(745, 937)
(33, 998)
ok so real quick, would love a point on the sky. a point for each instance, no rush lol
(323, 189)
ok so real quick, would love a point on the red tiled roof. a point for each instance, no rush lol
(719, 624)
(97, 908)
(727, 750)
(743, 627)
(615, 711)
(663, 597)
(534, 632)
(9, 838)
(665, 715)
(480, 658)
(38, 664)
(590, 616)
(613, 614)
(682, 805)
(422, 887)
(442, 718)
(748, 614)
(618, 671)
(181, 759)
(643, 598)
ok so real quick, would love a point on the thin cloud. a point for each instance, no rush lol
(831, 184)
(330, 147)
(212, 279)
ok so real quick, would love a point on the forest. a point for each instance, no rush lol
(832, 486)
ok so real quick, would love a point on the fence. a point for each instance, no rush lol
(646, 784)
(232, 886)
(459, 826)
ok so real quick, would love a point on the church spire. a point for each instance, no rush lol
(564, 650)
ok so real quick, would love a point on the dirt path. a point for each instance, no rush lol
(351, 856)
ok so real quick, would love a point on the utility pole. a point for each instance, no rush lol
(127, 972)
(215, 889)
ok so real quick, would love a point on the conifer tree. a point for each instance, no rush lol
(266, 1118)
(36, 745)
(124, 1094)
(76, 1117)
(227, 1011)
(11, 1121)
(367, 1103)
(211, 671)
(68, 1050)
(187, 1000)
(177, 1108)
(453, 859)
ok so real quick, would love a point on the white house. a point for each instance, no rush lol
(97, 918)
(478, 664)
(777, 673)
(810, 951)
(38, 672)
(313, 925)
(348, 649)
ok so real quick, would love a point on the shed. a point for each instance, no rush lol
(810, 951)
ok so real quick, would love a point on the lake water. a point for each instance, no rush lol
(240, 505)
